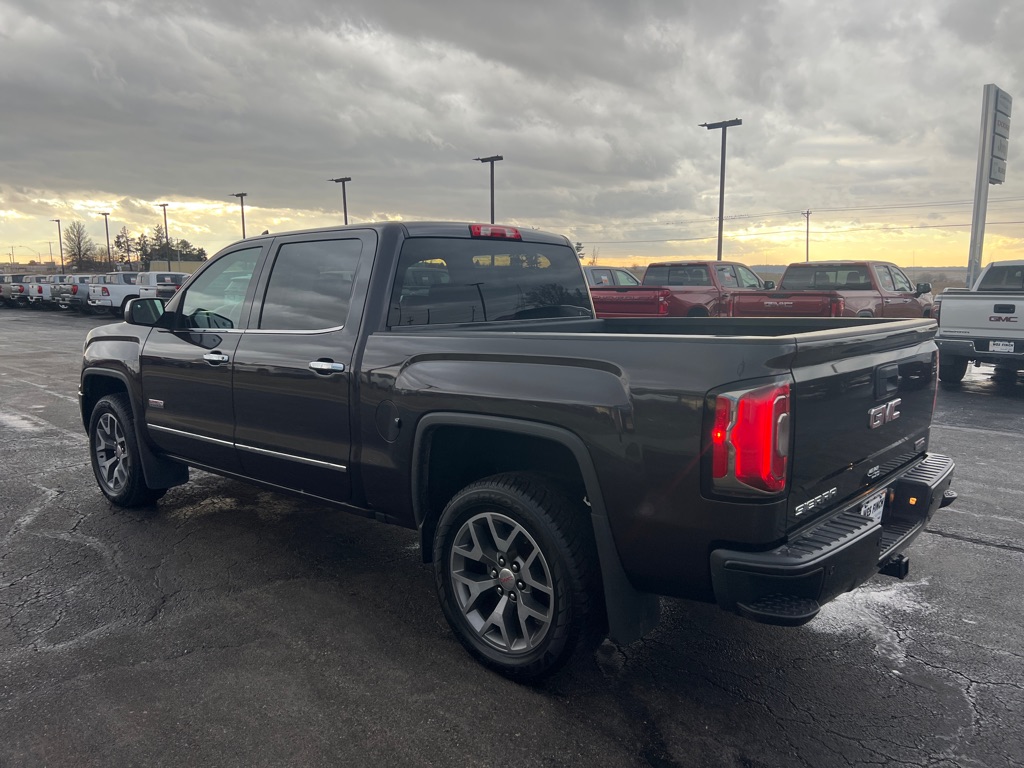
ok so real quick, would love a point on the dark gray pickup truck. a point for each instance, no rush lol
(563, 471)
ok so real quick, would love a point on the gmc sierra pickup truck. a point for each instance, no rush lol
(983, 324)
(839, 289)
(679, 289)
(562, 470)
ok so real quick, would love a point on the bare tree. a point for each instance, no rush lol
(79, 247)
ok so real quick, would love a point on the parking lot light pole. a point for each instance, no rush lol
(106, 226)
(492, 160)
(343, 180)
(724, 125)
(241, 199)
(60, 239)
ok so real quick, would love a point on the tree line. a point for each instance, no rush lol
(127, 252)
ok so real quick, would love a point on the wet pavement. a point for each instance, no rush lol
(230, 626)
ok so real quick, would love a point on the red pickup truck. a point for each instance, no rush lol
(839, 289)
(679, 289)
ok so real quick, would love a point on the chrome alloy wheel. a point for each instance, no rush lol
(502, 582)
(113, 461)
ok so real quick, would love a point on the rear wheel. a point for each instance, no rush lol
(952, 369)
(114, 452)
(516, 574)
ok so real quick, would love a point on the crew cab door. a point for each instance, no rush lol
(186, 365)
(899, 298)
(294, 364)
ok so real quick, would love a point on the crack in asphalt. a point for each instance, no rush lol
(975, 540)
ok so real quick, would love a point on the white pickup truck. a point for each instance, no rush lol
(112, 291)
(983, 324)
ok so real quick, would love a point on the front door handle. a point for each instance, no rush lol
(215, 358)
(326, 366)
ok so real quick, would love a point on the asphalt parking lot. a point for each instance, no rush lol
(229, 626)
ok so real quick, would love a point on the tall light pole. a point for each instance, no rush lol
(492, 160)
(106, 226)
(344, 198)
(60, 239)
(807, 241)
(724, 125)
(241, 199)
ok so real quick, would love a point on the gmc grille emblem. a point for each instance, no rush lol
(883, 414)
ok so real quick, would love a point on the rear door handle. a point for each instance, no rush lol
(326, 367)
(215, 358)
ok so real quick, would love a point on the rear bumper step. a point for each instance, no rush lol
(788, 584)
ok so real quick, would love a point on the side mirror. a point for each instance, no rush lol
(145, 312)
(769, 285)
(923, 288)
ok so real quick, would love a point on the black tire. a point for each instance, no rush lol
(952, 369)
(530, 557)
(865, 313)
(114, 453)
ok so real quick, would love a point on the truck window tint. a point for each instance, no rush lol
(600, 277)
(747, 278)
(902, 281)
(726, 276)
(1003, 279)
(677, 275)
(486, 281)
(310, 285)
(215, 298)
(622, 277)
(884, 278)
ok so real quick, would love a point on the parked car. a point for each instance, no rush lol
(679, 289)
(162, 285)
(984, 324)
(839, 289)
(562, 470)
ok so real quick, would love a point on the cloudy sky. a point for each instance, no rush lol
(867, 114)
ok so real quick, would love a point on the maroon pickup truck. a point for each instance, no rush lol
(679, 289)
(839, 289)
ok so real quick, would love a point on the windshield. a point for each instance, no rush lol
(453, 280)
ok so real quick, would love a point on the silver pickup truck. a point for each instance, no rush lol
(983, 324)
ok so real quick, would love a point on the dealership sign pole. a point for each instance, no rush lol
(992, 152)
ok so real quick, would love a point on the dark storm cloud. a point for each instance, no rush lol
(595, 105)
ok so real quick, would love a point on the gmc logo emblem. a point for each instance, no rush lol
(883, 414)
(1001, 319)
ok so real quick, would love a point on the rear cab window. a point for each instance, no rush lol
(482, 280)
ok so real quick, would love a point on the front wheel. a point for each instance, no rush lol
(114, 452)
(516, 573)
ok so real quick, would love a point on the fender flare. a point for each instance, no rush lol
(159, 472)
(631, 613)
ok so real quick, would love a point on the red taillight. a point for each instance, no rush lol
(39, 290)
(836, 306)
(489, 230)
(21, 289)
(935, 310)
(74, 289)
(105, 291)
(662, 305)
(750, 440)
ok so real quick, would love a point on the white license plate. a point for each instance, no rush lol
(1000, 346)
(872, 507)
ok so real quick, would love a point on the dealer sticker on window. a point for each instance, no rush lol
(873, 506)
(1000, 346)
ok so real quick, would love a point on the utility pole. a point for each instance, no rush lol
(807, 241)
(343, 180)
(492, 160)
(724, 125)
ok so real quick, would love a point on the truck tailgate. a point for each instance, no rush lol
(630, 301)
(982, 314)
(782, 304)
(862, 409)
